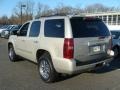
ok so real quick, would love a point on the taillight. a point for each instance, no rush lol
(68, 49)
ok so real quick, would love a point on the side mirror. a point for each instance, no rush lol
(18, 33)
(13, 32)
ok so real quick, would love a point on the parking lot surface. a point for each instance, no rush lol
(23, 75)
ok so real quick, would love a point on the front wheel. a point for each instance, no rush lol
(46, 69)
(11, 53)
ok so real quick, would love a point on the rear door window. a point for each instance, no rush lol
(54, 28)
(88, 28)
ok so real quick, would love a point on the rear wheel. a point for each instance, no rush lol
(46, 69)
(12, 54)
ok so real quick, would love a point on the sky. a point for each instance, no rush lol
(6, 6)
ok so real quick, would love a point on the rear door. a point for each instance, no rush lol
(33, 40)
(91, 39)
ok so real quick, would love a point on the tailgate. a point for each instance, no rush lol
(86, 49)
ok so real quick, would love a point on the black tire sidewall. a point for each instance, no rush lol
(115, 52)
(53, 73)
(14, 55)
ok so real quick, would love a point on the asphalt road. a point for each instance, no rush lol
(23, 75)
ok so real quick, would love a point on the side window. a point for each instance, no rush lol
(24, 29)
(35, 29)
(54, 28)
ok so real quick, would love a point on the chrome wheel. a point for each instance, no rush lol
(11, 53)
(44, 69)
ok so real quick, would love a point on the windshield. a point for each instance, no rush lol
(10, 27)
(4, 27)
(115, 34)
(17, 27)
(82, 27)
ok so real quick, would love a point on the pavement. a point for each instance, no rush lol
(23, 75)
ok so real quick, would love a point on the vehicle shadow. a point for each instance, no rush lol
(65, 77)
(114, 64)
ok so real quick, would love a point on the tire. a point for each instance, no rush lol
(46, 69)
(117, 52)
(12, 55)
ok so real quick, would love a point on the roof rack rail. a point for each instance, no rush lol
(58, 14)
(53, 15)
(62, 14)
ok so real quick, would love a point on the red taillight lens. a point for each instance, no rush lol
(68, 49)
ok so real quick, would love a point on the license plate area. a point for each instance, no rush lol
(96, 49)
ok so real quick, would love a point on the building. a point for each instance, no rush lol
(111, 19)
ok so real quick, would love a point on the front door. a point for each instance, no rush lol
(21, 40)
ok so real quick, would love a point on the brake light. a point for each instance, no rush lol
(68, 48)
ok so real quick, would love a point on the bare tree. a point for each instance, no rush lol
(39, 10)
(14, 19)
(17, 9)
(43, 10)
(4, 20)
(27, 10)
(61, 9)
(77, 10)
(98, 8)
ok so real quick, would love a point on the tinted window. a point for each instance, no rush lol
(4, 27)
(82, 27)
(35, 29)
(16, 27)
(115, 34)
(24, 29)
(10, 27)
(54, 28)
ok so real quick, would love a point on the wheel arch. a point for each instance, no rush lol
(116, 46)
(9, 43)
(40, 52)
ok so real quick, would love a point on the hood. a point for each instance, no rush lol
(2, 30)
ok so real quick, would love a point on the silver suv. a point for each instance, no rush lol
(62, 44)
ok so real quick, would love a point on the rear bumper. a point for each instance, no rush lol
(69, 66)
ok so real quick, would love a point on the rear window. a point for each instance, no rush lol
(88, 28)
(54, 28)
